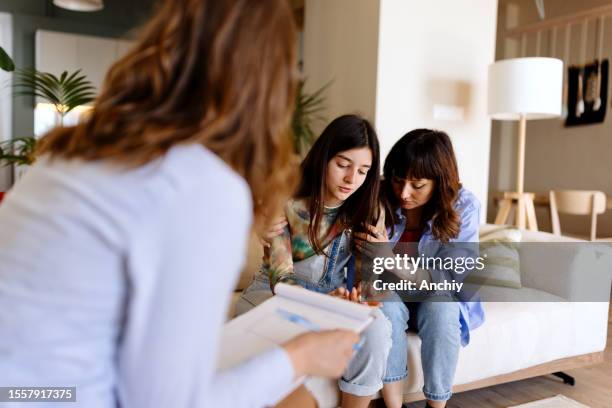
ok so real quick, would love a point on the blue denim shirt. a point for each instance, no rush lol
(468, 207)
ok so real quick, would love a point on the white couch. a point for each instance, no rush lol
(518, 339)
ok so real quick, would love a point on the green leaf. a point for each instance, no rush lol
(18, 151)
(65, 92)
(6, 63)
(74, 74)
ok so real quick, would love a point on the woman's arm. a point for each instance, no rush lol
(182, 267)
(323, 354)
(466, 245)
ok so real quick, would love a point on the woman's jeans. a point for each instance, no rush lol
(437, 323)
(365, 371)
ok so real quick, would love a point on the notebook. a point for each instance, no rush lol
(293, 311)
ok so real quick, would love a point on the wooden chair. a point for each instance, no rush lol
(576, 202)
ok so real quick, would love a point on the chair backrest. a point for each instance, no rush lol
(576, 202)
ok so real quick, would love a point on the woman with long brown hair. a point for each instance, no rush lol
(338, 193)
(428, 212)
(121, 246)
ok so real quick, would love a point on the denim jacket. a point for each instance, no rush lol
(325, 273)
(468, 207)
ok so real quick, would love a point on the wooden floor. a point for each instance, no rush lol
(593, 387)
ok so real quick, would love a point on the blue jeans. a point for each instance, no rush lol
(365, 371)
(437, 323)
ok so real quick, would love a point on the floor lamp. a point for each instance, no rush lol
(522, 89)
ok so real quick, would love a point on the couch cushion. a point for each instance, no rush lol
(500, 250)
(520, 335)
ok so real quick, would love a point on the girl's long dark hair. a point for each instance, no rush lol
(425, 154)
(362, 207)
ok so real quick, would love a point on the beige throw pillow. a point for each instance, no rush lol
(499, 248)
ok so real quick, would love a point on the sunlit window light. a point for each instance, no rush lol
(46, 117)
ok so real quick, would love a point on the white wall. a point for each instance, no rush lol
(409, 64)
(341, 45)
(57, 52)
(432, 72)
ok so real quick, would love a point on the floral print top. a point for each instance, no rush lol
(293, 244)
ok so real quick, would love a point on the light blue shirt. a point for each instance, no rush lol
(468, 207)
(118, 282)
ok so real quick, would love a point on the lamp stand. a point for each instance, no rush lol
(525, 210)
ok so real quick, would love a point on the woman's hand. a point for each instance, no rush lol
(373, 243)
(372, 235)
(323, 354)
(274, 229)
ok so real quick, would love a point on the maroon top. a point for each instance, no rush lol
(411, 236)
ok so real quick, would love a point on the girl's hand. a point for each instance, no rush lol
(357, 296)
(343, 293)
(352, 296)
(274, 229)
(340, 292)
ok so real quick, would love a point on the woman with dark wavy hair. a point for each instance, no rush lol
(428, 212)
(121, 246)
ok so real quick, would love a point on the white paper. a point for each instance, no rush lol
(263, 327)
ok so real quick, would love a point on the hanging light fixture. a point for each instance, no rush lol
(80, 5)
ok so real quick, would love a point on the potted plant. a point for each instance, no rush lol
(65, 93)
(308, 111)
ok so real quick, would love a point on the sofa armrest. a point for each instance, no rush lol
(576, 271)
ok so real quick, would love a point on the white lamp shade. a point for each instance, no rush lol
(529, 87)
(80, 5)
